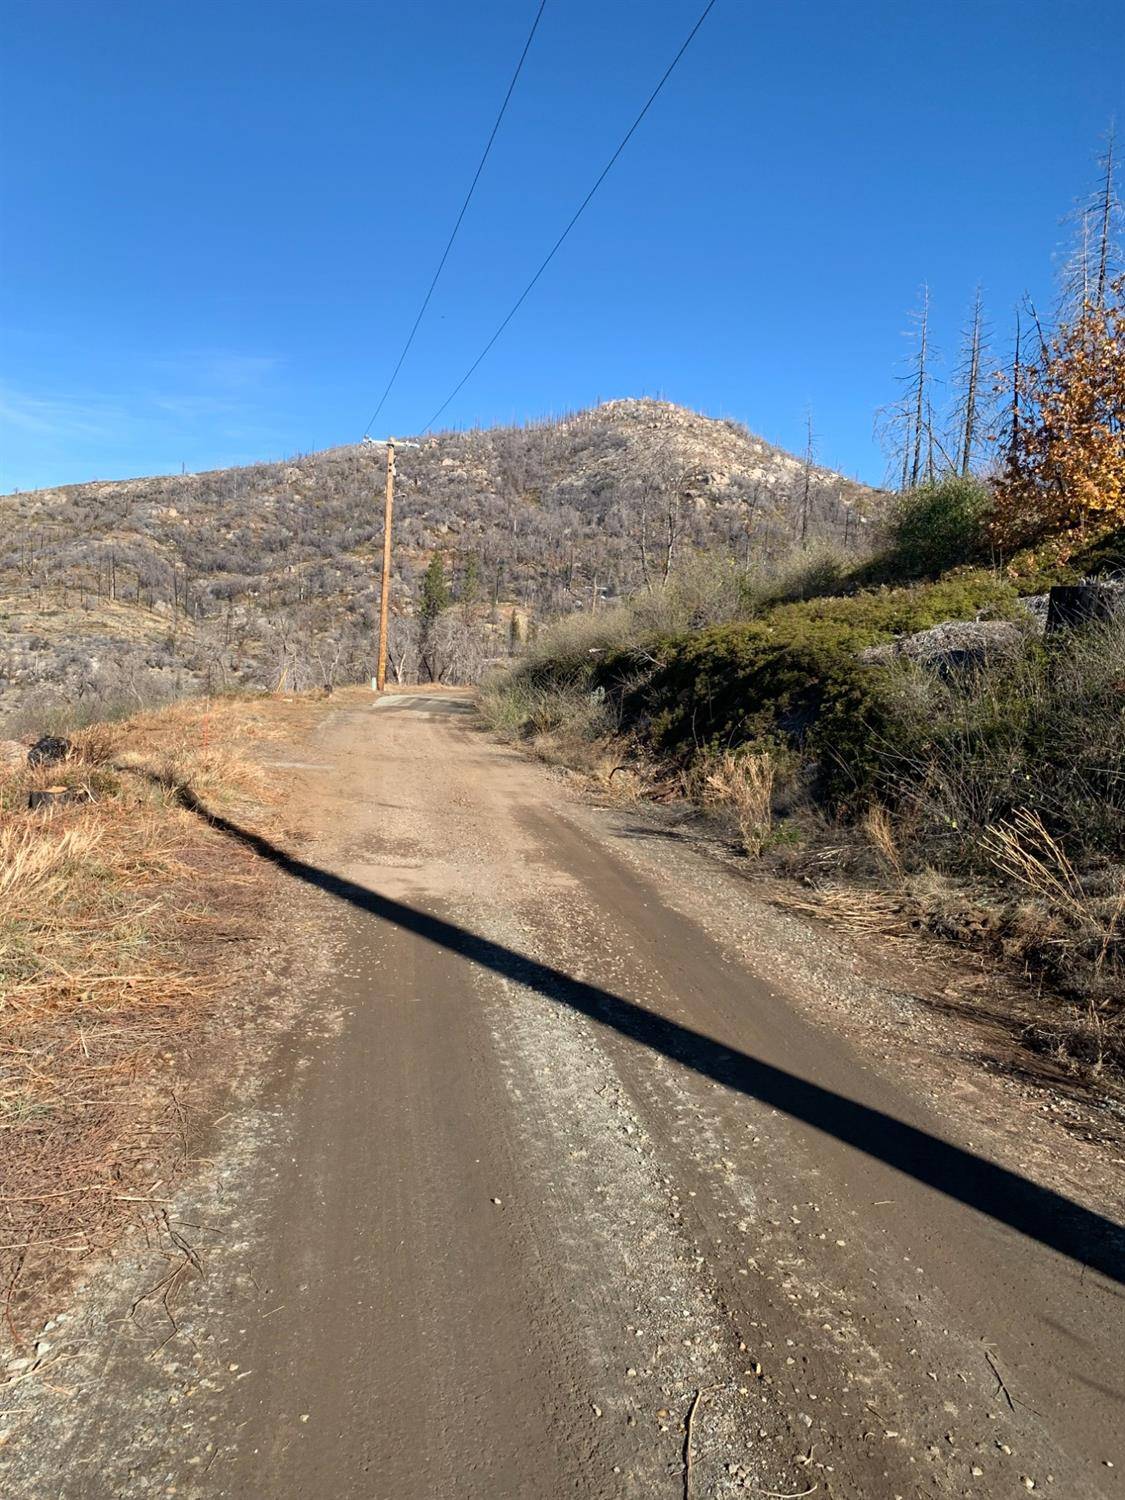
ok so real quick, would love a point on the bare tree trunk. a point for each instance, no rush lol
(645, 575)
(754, 498)
(669, 545)
(1014, 417)
(920, 395)
(972, 383)
(1084, 256)
(807, 482)
(1105, 233)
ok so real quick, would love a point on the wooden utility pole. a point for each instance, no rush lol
(384, 599)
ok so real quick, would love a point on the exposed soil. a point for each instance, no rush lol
(578, 1159)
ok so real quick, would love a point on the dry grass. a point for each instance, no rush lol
(880, 830)
(745, 785)
(1053, 937)
(1080, 920)
(117, 915)
(1025, 850)
(852, 908)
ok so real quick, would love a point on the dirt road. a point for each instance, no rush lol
(557, 1183)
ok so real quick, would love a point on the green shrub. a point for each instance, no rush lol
(810, 574)
(731, 686)
(878, 615)
(1105, 555)
(791, 677)
(1044, 733)
(932, 529)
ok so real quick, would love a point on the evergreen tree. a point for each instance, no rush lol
(470, 588)
(435, 593)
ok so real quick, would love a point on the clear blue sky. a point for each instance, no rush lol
(218, 218)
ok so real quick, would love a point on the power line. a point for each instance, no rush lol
(577, 215)
(460, 216)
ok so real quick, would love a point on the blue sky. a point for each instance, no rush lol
(219, 218)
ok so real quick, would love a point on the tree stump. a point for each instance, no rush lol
(1073, 606)
(52, 796)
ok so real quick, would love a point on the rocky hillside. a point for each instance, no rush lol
(264, 574)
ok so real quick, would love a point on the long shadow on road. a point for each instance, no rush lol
(1034, 1211)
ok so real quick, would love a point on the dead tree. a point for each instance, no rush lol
(1017, 377)
(645, 574)
(1109, 210)
(969, 404)
(806, 484)
(673, 523)
(904, 427)
(1094, 260)
(657, 493)
(918, 386)
(1011, 440)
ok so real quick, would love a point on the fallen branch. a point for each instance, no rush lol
(687, 1442)
(1000, 1386)
(695, 1400)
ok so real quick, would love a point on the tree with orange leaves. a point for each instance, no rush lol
(1063, 467)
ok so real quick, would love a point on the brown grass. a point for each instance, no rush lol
(744, 784)
(880, 830)
(117, 916)
(1081, 921)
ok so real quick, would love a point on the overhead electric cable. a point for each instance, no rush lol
(460, 216)
(577, 215)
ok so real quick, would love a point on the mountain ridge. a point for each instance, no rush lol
(266, 572)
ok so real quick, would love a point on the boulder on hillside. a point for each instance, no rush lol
(954, 646)
(48, 750)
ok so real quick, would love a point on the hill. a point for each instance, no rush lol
(140, 588)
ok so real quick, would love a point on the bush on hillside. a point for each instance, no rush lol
(733, 687)
(810, 573)
(1043, 734)
(939, 526)
(790, 677)
(875, 616)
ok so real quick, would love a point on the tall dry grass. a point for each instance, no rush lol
(118, 910)
(879, 827)
(1080, 920)
(743, 784)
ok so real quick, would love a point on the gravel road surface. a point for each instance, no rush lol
(558, 1184)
